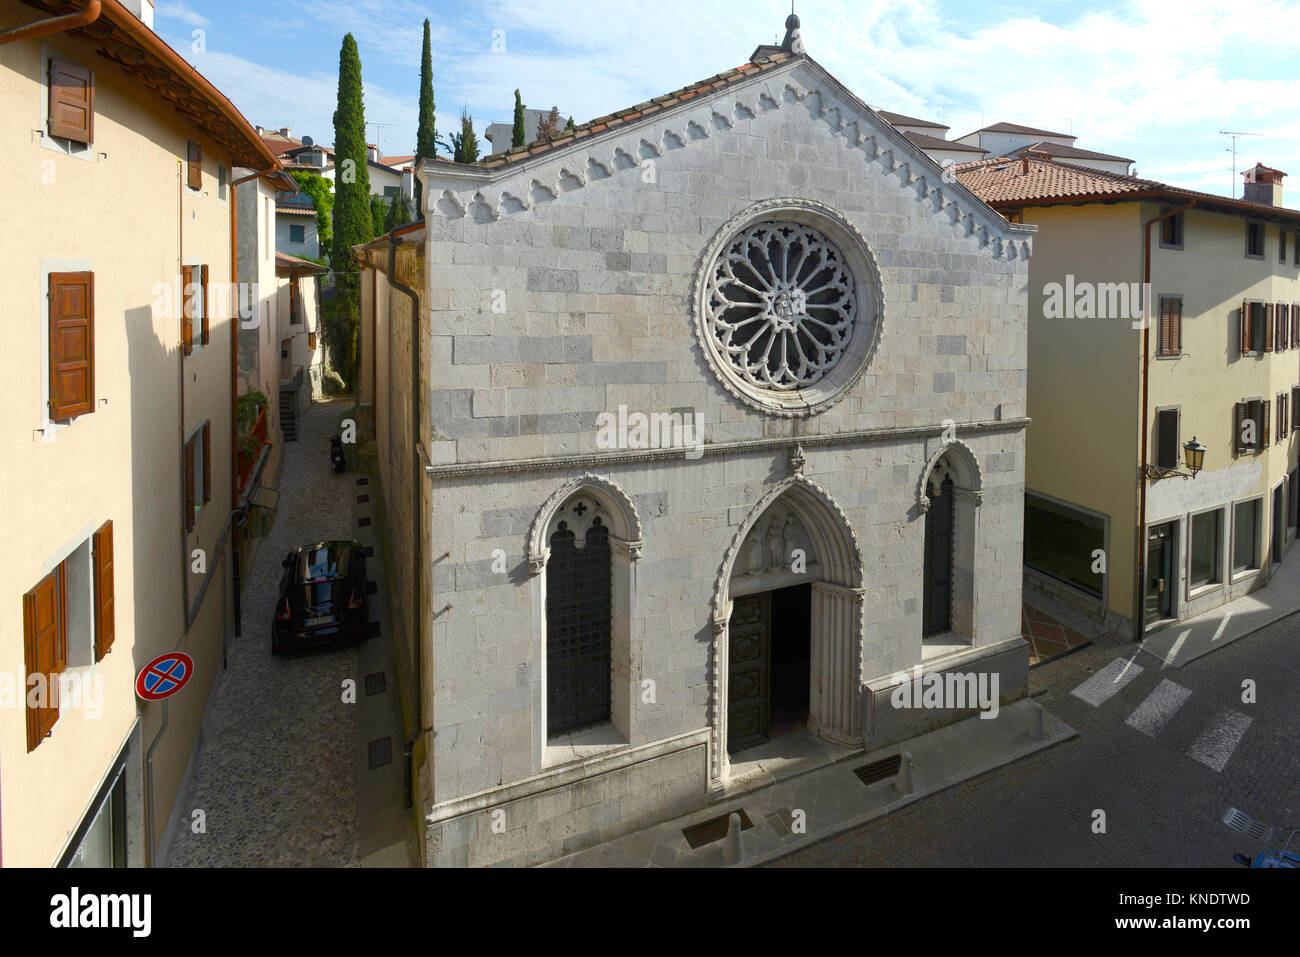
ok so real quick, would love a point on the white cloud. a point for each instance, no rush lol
(175, 10)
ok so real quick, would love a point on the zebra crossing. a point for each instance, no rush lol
(1216, 743)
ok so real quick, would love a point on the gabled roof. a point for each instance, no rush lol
(899, 119)
(1004, 181)
(938, 143)
(1026, 130)
(119, 36)
(633, 113)
(286, 265)
(1070, 152)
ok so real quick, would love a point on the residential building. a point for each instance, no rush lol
(119, 447)
(695, 427)
(302, 341)
(501, 135)
(1012, 139)
(1158, 316)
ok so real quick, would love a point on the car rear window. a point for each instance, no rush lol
(324, 564)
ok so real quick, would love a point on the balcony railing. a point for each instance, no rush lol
(250, 448)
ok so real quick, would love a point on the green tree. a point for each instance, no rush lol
(426, 138)
(465, 143)
(399, 214)
(378, 214)
(569, 125)
(315, 186)
(352, 222)
(520, 135)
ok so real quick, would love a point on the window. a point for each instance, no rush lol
(1281, 326)
(1281, 245)
(1203, 560)
(1255, 240)
(1295, 404)
(1171, 232)
(1295, 325)
(68, 615)
(72, 344)
(1295, 250)
(198, 467)
(194, 293)
(1015, 215)
(311, 341)
(1256, 328)
(1283, 413)
(1166, 438)
(1060, 541)
(72, 102)
(194, 165)
(268, 217)
(1171, 326)
(390, 192)
(1245, 536)
(221, 181)
(297, 234)
(1252, 426)
(578, 622)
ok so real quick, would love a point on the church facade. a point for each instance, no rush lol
(720, 428)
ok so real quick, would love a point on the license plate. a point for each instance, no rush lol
(323, 620)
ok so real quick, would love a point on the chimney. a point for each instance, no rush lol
(143, 10)
(1263, 185)
(260, 131)
(372, 153)
(1024, 165)
(284, 131)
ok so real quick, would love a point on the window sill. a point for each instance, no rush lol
(582, 745)
(1172, 355)
(1201, 590)
(1243, 575)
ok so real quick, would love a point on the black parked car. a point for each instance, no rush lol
(322, 597)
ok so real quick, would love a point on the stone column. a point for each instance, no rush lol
(966, 519)
(836, 686)
(624, 651)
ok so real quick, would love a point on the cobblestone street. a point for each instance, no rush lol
(276, 775)
(1164, 752)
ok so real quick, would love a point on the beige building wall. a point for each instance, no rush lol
(1085, 380)
(123, 211)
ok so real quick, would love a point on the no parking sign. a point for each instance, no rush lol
(164, 676)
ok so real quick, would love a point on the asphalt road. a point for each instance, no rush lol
(1163, 752)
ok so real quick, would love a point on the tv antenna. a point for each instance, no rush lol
(1233, 150)
(377, 126)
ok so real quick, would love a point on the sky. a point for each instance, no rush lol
(1150, 79)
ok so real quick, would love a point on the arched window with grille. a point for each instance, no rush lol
(579, 619)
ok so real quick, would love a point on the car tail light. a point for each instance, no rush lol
(354, 602)
(283, 613)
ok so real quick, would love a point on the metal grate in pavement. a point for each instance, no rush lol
(714, 829)
(881, 770)
(376, 683)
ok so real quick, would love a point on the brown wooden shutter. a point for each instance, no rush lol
(194, 156)
(104, 590)
(1167, 438)
(187, 308)
(1295, 404)
(203, 287)
(1245, 328)
(311, 341)
(45, 645)
(1268, 326)
(207, 462)
(189, 486)
(1295, 316)
(1171, 326)
(1267, 405)
(72, 102)
(1238, 424)
(72, 344)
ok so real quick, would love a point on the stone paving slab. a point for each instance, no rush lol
(275, 772)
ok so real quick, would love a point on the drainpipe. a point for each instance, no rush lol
(180, 381)
(70, 21)
(1139, 547)
(417, 478)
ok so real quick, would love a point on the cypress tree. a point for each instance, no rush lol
(352, 224)
(378, 215)
(570, 125)
(426, 136)
(520, 135)
(466, 141)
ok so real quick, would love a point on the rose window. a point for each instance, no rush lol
(780, 305)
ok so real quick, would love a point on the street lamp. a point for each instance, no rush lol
(1193, 458)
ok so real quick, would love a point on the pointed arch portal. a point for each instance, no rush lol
(791, 580)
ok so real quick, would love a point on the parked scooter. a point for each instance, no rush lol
(1282, 857)
(336, 454)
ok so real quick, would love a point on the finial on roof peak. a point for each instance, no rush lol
(793, 42)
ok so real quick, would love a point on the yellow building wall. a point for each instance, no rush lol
(1084, 379)
(126, 212)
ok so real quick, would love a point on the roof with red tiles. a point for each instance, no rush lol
(939, 143)
(1028, 181)
(900, 119)
(284, 263)
(634, 113)
(1071, 152)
